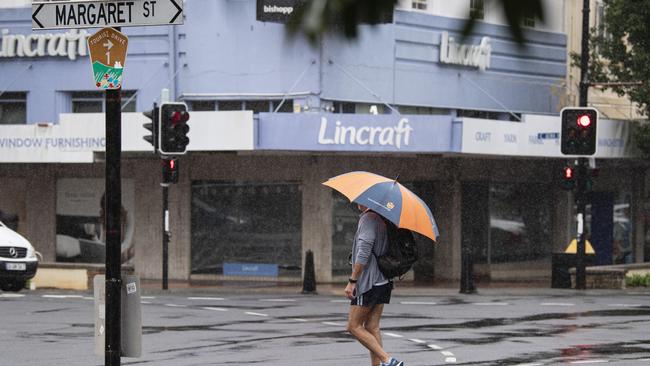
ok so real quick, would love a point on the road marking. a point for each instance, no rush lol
(394, 335)
(417, 340)
(148, 297)
(299, 320)
(215, 309)
(279, 300)
(557, 304)
(206, 298)
(88, 298)
(490, 303)
(588, 361)
(145, 302)
(626, 305)
(433, 346)
(63, 296)
(417, 303)
(334, 324)
(176, 305)
(450, 360)
(12, 295)
(645, 360)
(340, 301)
(447, 353)
(256, 314)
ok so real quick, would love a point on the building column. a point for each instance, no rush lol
(317, 219)
(40, 207)
(448, 247)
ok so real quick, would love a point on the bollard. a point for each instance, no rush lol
(467, 272)
(309, 279)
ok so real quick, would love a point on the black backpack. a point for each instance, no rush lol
(402, 251)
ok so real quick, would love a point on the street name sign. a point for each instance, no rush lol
(105, 13)
(107, 57)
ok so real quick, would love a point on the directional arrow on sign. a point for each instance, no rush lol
(108, 44)
(101, 13)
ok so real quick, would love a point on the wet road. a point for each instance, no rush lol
(48, 328)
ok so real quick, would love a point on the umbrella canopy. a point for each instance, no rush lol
(388, 198)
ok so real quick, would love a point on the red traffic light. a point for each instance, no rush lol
(179, 117)
(584, 121)
(568, 172)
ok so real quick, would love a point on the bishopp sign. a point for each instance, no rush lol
(105, 13)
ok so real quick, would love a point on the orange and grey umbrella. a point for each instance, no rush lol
(388, 198)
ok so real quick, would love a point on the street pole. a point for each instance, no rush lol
(113, 204)
(582, 191)
(166, 234)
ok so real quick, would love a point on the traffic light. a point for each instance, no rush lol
(152, 126)
(170, 171)
(578, 134)
(173, 128)
(568, 177)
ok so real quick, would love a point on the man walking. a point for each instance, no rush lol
(368, 288)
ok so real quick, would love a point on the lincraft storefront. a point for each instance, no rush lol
(471, 133)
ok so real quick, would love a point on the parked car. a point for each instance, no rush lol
(18, 261)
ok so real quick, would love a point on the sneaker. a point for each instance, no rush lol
(393, 362)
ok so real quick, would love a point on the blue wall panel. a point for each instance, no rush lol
(223, 49)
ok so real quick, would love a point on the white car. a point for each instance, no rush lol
(18, 261)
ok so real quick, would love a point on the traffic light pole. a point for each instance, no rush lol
(165, 234)
(582, 191)
(112, 210)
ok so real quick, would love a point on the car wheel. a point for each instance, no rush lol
(12, 285)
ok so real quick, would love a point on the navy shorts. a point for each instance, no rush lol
(376, 295)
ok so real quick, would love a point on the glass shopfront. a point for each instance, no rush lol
(246, 222)
(507, 222)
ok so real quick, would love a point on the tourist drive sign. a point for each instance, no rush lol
(104, 13)
(108, 56)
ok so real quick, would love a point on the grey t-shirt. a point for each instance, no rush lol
(370, 241)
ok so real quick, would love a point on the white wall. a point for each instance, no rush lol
(15, 3)
(553, 10)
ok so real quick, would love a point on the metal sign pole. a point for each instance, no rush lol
(113, 226)
(581, 193)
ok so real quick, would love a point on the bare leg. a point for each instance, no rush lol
(372, 326)
(357, 318)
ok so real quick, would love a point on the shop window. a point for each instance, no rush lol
(202, 105)
(477, 9)
(13, 108)
(506, 222)
(422, 110)
(528, 21)
(257, 106)
(230, 105)
(419, 4)
(503, 116)
(344, 107)
(520, 222)
(94, 101)
(286, 107)
(246, 223)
